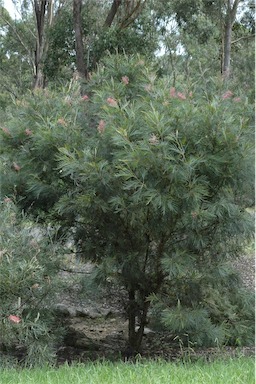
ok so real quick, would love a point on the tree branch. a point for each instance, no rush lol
(233, 11)
(133, 14)
(242, 38)
(111, 15)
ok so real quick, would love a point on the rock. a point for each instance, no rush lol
(65, 310)
(77, 339)
(147, 331)
(106, 312)
(88, 312)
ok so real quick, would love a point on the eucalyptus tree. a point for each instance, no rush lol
(63, 36)
(212, 28)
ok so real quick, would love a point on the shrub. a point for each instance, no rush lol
(29, 261)
(154, 182)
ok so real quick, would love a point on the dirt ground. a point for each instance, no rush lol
(98, 329)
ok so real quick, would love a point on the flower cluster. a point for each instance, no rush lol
(125, 80)
(28, 132)
(6, 131)
(178, 95)
(153, 139)
(112, 102)
(14, 319)
(227, 95)
(16, 167)
(101, 126)
(61, 121)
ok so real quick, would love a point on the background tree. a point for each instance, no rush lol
(214, 26)
(137, 26)
(80, 59)
(231, 11)
(16, 56)
(43, 10)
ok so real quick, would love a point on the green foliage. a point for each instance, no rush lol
(139, 37)
(16, 53)
(154, 182)
(40, 123)
(211, 308)
(29, 262)
(163, 192)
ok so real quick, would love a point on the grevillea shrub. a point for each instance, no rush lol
(29, 261)
(154, 182)
(38, 125)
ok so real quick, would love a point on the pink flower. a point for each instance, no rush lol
(227, 95)
(148, 87)
(125, 80)
(61, 121)
(68, 100)
(153, 139)
(85, 97)
(237, 99)
(172, 92)
(33, 243)
(16, 167)
(14, 319)
(181, 96)
(28, 132)
(112, 102)
(101, 126)
(6, 131)
(7, 200)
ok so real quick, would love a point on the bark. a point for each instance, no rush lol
(111, 15)
(143, 322)
(133, 9)
(80, 59)
(229, 22)
(135, 337)
(149, 285)
(40, 12)
(132, 310)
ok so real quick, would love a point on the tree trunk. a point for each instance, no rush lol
(111, 15)
(40, 10)
(227, 49)
(135, 337)
(132, 311)
(229, 22)
(80, 60)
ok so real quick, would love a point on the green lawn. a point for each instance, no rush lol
(233, 371)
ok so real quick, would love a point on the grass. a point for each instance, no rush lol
(235, 371)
